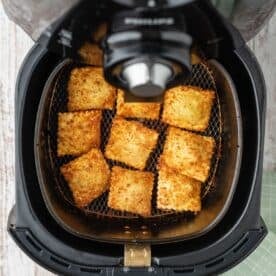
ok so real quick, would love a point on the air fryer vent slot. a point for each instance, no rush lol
(184, 270)
(91, 270)
(59, 262)
(240, 245)
(214, 263)
(32, 242)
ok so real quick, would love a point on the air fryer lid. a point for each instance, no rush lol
(35, 17)
(132, 229)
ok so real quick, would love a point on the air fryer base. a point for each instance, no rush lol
(43, 255)
(55, 249)
(58, 257)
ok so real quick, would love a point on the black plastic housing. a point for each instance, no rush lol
(233, 239)
(227, 244)
(155, 230)
(210, 30)
(147, 35)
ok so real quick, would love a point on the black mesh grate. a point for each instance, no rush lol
(201, 76)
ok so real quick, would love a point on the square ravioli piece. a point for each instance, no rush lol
(78, 132)
(91, 53)
(100, 32)
(87, 89)
(188, 107)
(177, 192)
(188, 153)
(131, 143)
(87, 177)
(146, 110)
(131, 191)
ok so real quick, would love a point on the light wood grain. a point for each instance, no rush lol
(14, 44)
(264, 47)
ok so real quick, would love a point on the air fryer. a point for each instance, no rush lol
(160, 35)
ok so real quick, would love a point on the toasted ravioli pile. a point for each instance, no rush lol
(118, 166)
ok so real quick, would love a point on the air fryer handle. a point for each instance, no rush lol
(39, 252)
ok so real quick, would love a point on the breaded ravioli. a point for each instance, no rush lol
(100, 32)
(131, 143)
(188, 107)
(78, 132)
(176, 191)
(188, 153)
(87, 89)
(131, 191)
(91, 53)
(145, 110)
(87, 177)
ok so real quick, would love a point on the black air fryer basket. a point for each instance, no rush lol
(161, 226)
(51, 230)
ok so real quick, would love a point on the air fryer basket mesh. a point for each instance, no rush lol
(201, 76)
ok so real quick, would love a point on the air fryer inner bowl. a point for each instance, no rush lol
(162, 226)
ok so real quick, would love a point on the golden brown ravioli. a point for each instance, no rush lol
(188, 153)
(91, 53)
(87, 177)
(131, 143)
(87, 89)
(188, 107)
(177, 191)
(146, 110)
(131, 191)
(78, 132)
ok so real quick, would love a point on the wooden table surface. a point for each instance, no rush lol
(14, 44)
